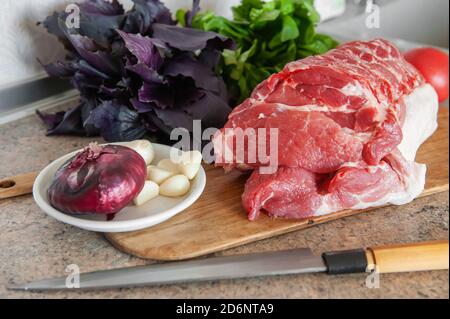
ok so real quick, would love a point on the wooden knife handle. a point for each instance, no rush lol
(389, 259)
(410, 257)
(17, 185)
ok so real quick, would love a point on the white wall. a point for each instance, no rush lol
(420, 21)
(21, 39)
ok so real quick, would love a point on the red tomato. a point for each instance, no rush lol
(433, 64)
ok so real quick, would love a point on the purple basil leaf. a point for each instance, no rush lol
(52, 24)
(157, 122)
(210, 58)
(81, 42)
(51, 120)
(88, 104)
(58, 69)
(73, 122)
(146, 74)
(100, 28)
(56, 25)
(68, 123)
(101, 7)
(116, 122)
(118, 48)
(87, 49)
(82, 81)
(148, 123)
(135, 23)
(155, 10)
(143, 14)
(89, 70)
(113, 92)
(173, 118)
(210, 109)
(187, 39)
(185, 91)
(161, 95)
(223, 92)
(143, 48)
(186, 65)
(141, 107)
(130, 84)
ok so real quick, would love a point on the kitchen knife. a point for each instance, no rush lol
(388, 259)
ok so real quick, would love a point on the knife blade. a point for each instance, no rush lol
(292, 261)
(384, 259)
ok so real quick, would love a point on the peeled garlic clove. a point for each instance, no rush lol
(143, 148)
(150, 191)
(190, 170)
(168, 165)
(158, 175)
(191, 157)
(175, 186)
(190, 163)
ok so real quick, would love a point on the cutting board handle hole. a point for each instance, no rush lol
(7, 184)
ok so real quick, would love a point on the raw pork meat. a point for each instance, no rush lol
(350, 123)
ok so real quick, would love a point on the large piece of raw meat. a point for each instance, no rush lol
(350, 123)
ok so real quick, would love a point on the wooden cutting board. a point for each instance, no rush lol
(217, 221)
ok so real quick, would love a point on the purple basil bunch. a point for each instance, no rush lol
(137, 72)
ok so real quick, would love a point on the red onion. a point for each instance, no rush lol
(98, 180)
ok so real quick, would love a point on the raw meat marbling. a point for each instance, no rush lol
(350, 123)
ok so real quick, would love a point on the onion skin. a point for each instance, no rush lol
(98, 180)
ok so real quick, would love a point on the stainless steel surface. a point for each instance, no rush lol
(24, 98)
(294, 261)
(47, 104)
(29, 92)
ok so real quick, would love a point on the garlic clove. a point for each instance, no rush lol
(158, 175)
(168, 165)
(150, 191)
(175, 186)
(143, 148)
(190, 163)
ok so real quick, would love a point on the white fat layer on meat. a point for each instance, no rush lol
(355, 89)
(420, 121)
(313, 107)
(415, 184)
(351, 164)
(325, 208)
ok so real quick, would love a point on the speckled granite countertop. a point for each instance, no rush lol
(34, 246)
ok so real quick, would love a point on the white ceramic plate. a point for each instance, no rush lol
(131, 217)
